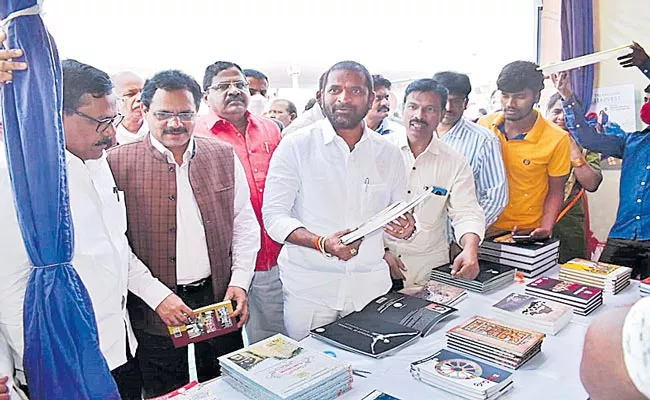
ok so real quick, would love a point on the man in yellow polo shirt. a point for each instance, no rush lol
(536, 153)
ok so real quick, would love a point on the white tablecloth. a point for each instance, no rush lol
(553, 374)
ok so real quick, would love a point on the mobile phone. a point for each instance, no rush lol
(523, 238)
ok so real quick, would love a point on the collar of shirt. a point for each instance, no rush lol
(123, 136)
(533, 135)
(455, 130)
(211, 119)
(403, 143)
(329, 133)
(189, 151)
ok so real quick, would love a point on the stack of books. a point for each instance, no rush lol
(530, 258)
(495, 341)
(437, 292)
(644, 287)
(584, 299)
(279, 368)
(531, 312)
(492, 276)
(462, 375)
(609, 277)
(387, 324)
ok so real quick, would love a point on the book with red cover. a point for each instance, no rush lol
(211, 321)
(572, 291)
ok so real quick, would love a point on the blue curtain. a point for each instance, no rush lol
(577, 27)
(62, 357)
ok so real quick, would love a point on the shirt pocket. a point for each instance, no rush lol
(114, 210)
(374, 198)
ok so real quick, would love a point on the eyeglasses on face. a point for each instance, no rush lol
(102, 124)
(166, 115)
(223, 86)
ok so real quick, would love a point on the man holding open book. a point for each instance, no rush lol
(323, 180)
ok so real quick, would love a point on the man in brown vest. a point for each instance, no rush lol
(190, 220)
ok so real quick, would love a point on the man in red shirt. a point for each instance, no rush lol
(254, 138)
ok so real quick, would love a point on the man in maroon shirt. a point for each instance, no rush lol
(254, 138)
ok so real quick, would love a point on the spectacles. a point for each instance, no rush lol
(256, 91)
(166, 115)
(103, 124)
(222, 87)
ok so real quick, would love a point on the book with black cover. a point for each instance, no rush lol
(506, 244)
(491, 276)
(385, 325)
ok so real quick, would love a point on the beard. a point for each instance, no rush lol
(348, 120)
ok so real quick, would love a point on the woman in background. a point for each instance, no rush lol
(585, 175)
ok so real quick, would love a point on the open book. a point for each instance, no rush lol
(389, 214)
(388, 323)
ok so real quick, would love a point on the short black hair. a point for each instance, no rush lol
(380, 80)
(170, 80)
(253, 73)
(520, 75)
(427, 85)
(291, 108)
(213, 70)
(348, 66)
(80, 79)
(455, 82)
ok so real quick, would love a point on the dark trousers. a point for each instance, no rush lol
(629, 253)
(128, 379)
(165, 367)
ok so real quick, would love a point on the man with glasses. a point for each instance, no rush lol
(190, 220)
(102, 256)
(254, 139)
(127, 88)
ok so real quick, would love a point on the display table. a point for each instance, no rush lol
(553, 374)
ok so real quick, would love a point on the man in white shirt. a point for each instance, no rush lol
(191, 221)
(102, 256)
(128, 87)
(616, 356)
(430, 163)
(322, 181)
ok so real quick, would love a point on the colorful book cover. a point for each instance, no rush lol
(282, 367)
(597, 268)
(530, 307)
(211, 321)
(507, 244)
(379, 395)
(462, 370)
(436, 291)
(496, 334)
(565, 288)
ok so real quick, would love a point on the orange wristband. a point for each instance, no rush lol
(578, 162)
(316, 243)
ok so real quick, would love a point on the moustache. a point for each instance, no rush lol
(174, 131)
(343, 107)
(383, 108)
(418, 121)
(236, 97)
(104, 141)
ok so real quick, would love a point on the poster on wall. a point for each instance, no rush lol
(615, 104)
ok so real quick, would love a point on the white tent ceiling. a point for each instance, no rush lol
(399, 38)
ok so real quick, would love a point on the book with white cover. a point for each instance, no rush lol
(543, 315)
(389, 214)
(461, 374)
(587, 59)
(282, 367)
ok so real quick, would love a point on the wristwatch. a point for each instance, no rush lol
(578, 162)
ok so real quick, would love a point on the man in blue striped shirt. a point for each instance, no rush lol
(478, 144)
(378, 118)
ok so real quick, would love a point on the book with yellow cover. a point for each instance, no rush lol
(211, 321)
